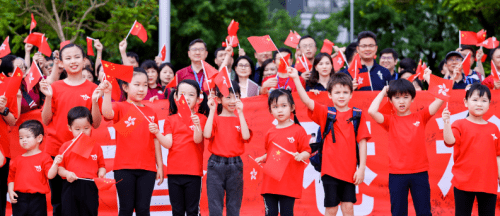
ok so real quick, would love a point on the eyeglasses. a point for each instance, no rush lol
(244, 65)
(454, 60)
(364, 46)
(197, 49)
(306, 46)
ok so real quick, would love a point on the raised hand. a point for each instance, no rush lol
(45, 88)
(98, 45)
(446, 116)
(292, 72)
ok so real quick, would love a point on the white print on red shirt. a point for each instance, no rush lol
(417, 123)
(191, 127)
(253, 175)
(85, 97)
(238, 128)
(94, 156)
(291, 139)
(38, 168)
(494, 137)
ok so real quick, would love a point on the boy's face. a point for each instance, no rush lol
(477, 105)
(80, 125)
(27, 139)
(401, 102)
(340, 95)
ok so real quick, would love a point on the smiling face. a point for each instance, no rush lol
(243, 68)
(388, 61)
(197, 52)
(88, 75)
(72, 60)
(229, 102)
(81, 125)
(270, 70)
(367, 48)
(477, 105)
(401, 103)
(340, 95)
(281, 109)
(324, 67)
(138, 88)
(166, 75)
(27, 139)
(47, 67)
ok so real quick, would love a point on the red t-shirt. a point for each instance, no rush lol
(226, 140)
(339, 158)
(29, 173)
(4, 138)
(406, 149)
(475, 154)
(188, 73)
(64, 98)
(293, 138)
(82, 167)
(286, 83)
(137, 150)
(185, 157)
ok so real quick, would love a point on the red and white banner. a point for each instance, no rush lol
(372, 194)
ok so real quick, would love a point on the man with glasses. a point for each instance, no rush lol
(477, 72)
(197, 51)
(307, 46)
(389, 60)
(261, 58)
(454, 64)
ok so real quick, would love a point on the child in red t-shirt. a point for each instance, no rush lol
(80, 197)
(227, 133)
(281, 81)
(60, 97)
(408, 163)
(185, 148)
(291, 136)
(339, 161)
(30, 171)
(138, 161)
(476, 154)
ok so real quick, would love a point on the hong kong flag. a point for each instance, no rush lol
(223, 82)
(163, 52)
(276, 163)
(338, 62)
(34, 38)
(262, 43)
(363, 80)
(139, 31)
(32, 77)
(33, 23)
(44, 47)
(129, 121)
(490, 43)
(355, 65)
(440, 87)
(5, 48)
(292, 40)
(327, 47)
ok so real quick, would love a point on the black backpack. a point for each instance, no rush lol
(317, 147)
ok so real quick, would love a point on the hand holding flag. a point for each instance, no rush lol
(104, 183)
(139, 31)
(33, 76)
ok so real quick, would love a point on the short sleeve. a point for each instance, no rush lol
(266, 141)
(117, 109)
(249, 139)
(12, 171)
(303, 142)
(363, 132)
(426, 115)
(47, 163)
(167, 128)
(455, 128)
(214, 127)
(387, 121)
(100, 158)
(319, 114)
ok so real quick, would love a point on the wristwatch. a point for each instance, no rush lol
(5, 111)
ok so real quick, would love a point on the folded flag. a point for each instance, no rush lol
(483, 59)
(440, 87)
(233, 27)
(262, 43)
(481, 36)
(116, 92)
(277, 162)
(139, 31)
(468, 38)
(283, 63)
(490, 43)
(223, 82)
(184, 111)
(10, 93)
(327, 47)
(209, 70)
(5, 48)
(466, 64)
(129, 122)
(33, 22)
(83, 146)
(34, 38)
(163, 52)
(292, 39)
(494, 72)
(355, 65)
(232, 40)
(32, 77)
(303, 64)
(90, 46)
(44, 47)
(104, 183)
(118, 71)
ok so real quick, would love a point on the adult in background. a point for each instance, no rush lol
(307, 46)
(489, 81)
(454, 63)
(261, 58)
(389, 60)
(477, 72)
(244, 70)
(321, 72)
(197, 51)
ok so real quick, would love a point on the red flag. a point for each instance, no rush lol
(292, 40)
(300, 67)
(139, 31)
(483, 59)
(129, 121)
(233, 27)
(32, 77)
(356, 63)
(184, 111)
(64, 43)
(233, 40)
(338, 62)
(209, 70)
(13, 85)
(494, 72)
(481, 36)
(262, 43)
(419, 72)
(490, 43)
(5, 48)
(163, 52)
(104, 183)
(277, 162)
(172, 84)
(282, 64)
(363, 80)
(466, 64)
(223, 82)
(116, 92)
(83, 146)
(118, 71)
(468, 38)
(2, 77)
(90, 47)
(33, 23)
(413, 77)
(45, 48)
(211, 84)
(327, 47)
(440, 87)
(387, 108)
(422, 70)
(34, 38)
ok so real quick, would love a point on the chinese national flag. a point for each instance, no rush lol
(282, 64)
(139, 31)
(419, 72)
(490, 43)
(292, 40)
(483, 59)
(277, 162)
(116, 92)
(466, 64)
(355, 65)
(172, 84)
(300, 67)
(32, 77)
(233, 40)
(481, 36)
(129, 121)
(468, 38)
(5, 48)
(34, 38)
(440, 87)
(327, 47)
(118, 71)
(223, 82)
(64, 43)
(494, 72)
(209, 70)
(163, 52)
(44, 47)
(83, 146)
(104, 183)
(363, 80)
(233, 27)
(33, 22)
(184, 111)
(90, 47)
(10, 93)
(338, 62)
(262, 43)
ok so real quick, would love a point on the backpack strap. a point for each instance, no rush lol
(356, 118)
(332, 114)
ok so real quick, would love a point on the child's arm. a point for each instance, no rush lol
(101, 172)
(448, 136)
(107, 108)
(269, 83)
(12, 194)
(207, 132)
(359, 175)
(261, 159)
(70, 176)
(373, 110)
(294, 74)
(245, 132)
(54, 168)
(99, 47)
(301, 156)
(159, 163)
(9, 119)
(160, 138)
(27, 56)
(198, 133)
(122, 46)
(46, 89)
(227, 58)
(96, 113)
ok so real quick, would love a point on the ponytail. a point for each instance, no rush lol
(295, 119)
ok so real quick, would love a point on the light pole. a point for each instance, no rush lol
(352, 21)
(165, 27)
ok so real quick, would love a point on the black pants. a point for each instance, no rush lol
(418, 185)
(464, 200)
(286, 204)
(224, 176)
(184, 192)
(30, 204)
(4, 174)
(135, 190)
(55, 194)
(80, 198)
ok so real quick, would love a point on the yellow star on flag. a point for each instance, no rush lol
(278, 152)
(106, 65)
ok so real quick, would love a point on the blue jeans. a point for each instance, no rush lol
(418, 185)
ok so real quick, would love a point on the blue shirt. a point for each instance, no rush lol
(318, 87)
(379, 76)
(466, 80)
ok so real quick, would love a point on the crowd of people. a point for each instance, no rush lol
(75, 94)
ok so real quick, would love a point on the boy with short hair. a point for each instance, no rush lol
(408, 163)
(29, 172)
(338, 172)
(79, 194)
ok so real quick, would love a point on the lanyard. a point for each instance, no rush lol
(284, 86)
(200, 82)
